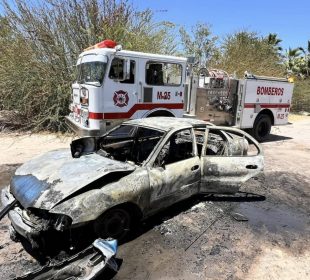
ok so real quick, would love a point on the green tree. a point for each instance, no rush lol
(274, 41)
(293, 61)
(199, 43)
(40, 42)
(247, 51)
(306, 58)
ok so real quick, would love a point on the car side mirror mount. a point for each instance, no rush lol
(83, 146)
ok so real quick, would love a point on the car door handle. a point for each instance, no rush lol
(251, 166)
(195, 167)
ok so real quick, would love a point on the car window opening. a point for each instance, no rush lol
(130, 143)
(179, 147)
(221, 143)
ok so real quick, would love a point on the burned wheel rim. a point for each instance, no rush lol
(115, 223)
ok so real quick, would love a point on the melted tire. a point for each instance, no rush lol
(115, 223)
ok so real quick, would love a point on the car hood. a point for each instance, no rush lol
(46, 180)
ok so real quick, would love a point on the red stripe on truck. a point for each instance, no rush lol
(135, 108)
(269, 106)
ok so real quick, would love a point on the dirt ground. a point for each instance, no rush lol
(200, 238)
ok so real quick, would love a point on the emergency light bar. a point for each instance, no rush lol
(103, 44)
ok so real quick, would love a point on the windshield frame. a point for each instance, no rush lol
(98, 61)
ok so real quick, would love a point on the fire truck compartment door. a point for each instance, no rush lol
(229, 158)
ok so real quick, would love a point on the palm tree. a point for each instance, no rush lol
(274, 41)
(306, 57)
(292, 61)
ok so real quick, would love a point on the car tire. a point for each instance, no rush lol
(115, 223)
(261, 128)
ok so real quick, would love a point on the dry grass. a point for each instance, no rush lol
(297, 117)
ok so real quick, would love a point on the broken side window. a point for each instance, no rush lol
(221, 143)
(146, 140)
(178, 147)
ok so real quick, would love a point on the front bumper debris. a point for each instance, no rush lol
(85, 265)
(8, 202)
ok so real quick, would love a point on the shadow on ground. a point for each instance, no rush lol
(185, 205)
(277, 138)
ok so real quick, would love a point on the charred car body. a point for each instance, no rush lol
(138, 168)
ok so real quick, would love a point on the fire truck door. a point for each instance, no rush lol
(124, 92)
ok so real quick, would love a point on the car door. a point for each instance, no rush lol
(175, 173)
(229, 158)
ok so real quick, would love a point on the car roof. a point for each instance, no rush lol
(167, 123)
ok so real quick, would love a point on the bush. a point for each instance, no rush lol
(301, 96)
(39, 45)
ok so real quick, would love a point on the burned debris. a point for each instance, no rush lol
(85, 265)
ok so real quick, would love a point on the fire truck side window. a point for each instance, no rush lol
(116, 71)
(163, 74)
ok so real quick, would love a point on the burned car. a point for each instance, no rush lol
(106, 184)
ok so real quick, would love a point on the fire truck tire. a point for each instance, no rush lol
(261, 128)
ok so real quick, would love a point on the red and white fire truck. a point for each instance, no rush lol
(114, 85)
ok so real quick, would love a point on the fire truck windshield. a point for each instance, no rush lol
(91, 72)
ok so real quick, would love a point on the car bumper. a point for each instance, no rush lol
(81, 130)
(19, 225)
(15, 216)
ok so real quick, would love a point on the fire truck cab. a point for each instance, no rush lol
(113, 85)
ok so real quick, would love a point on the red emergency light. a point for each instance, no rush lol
(104, 44)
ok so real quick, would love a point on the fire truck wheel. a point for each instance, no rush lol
(262, 127)
(115, 223)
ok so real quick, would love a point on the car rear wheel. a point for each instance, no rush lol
(115, 223)
(262, 127)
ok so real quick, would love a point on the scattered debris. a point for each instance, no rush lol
(239, 217)
(216, 249)
(84, 265)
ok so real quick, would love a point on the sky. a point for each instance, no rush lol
(289, 19)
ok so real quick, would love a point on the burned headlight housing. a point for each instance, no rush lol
(42, 220)
(63, 222)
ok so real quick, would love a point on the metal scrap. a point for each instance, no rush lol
(84, 265)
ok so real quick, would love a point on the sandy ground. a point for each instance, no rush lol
(199, 238)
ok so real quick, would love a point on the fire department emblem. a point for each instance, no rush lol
(121, 98)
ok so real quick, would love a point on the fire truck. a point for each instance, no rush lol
(113, 85)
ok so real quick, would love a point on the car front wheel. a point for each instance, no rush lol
(115, 223)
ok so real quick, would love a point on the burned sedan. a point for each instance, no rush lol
(105, 184)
